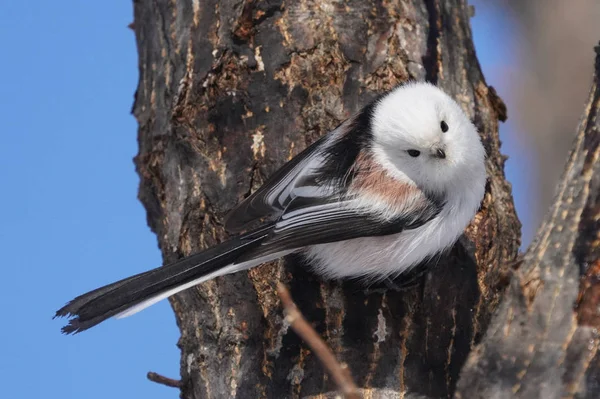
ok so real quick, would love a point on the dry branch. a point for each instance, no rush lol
(161, 379)
(340, 372)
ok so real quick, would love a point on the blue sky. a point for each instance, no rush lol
(71, 219)
(499, 64)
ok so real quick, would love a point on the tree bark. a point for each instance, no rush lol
(230, 90)
(543, 342)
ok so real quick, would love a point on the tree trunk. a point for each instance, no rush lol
(229, 91)
(543, 342)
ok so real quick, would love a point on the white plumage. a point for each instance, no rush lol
(389, 188)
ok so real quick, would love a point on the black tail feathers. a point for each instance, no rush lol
(94, 307)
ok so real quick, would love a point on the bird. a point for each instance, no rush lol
(390, 187)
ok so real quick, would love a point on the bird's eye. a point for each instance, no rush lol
(414, 153)
(444, 126)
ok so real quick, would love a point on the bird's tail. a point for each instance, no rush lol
(128, 296)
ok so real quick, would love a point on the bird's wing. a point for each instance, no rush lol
(318, 171)
(314, 198)
(271, 199)
(319, 220)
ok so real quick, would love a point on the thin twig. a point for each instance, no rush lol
(340, 372)
(160, 379)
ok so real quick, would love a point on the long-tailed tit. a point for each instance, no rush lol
(387, 189)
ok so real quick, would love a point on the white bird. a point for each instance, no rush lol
(389, 188)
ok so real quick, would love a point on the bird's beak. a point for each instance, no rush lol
(438, 152)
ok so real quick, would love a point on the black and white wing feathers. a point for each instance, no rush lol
(320, 170)
(313, 221)
(271, 199)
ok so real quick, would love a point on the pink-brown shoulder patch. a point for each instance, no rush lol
(372, 179)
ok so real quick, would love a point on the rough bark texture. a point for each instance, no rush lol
(229, 90)
(543, 343)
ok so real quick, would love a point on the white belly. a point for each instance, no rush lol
(376, 258)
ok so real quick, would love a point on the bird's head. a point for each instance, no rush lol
(421, 133)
